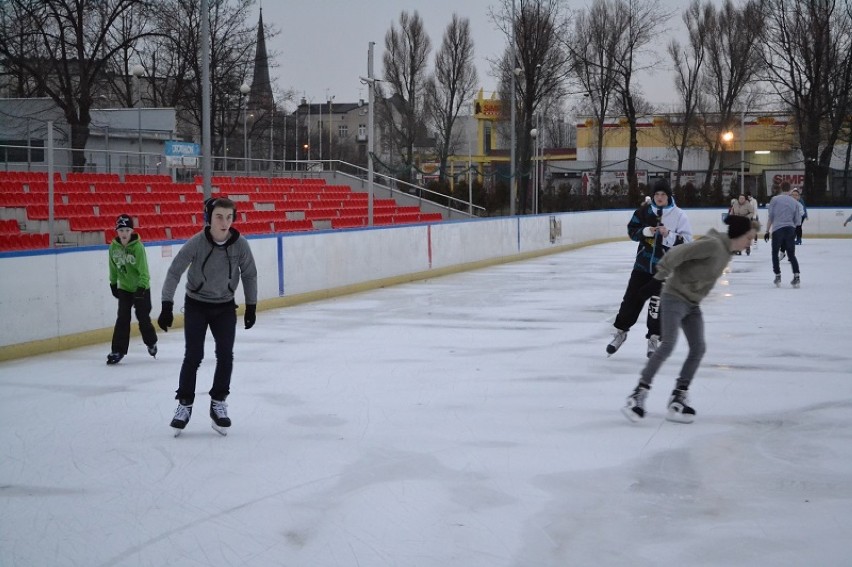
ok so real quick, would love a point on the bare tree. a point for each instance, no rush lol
(593, 49)
(452, 84)
(62, 49)
(733, 62)
(640, 20)
(172, 62)
(406, 51)
(540, 62)
(808, 57)
(688, 65)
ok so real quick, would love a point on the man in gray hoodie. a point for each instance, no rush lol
(689, 271)
(217, 258)
(784, 216)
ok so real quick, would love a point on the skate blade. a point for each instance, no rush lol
(631, 415)
(177, 431)
(677, 417)
(223, 431)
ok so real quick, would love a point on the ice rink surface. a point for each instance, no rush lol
(467, 421)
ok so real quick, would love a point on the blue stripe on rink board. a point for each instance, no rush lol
(280, 240)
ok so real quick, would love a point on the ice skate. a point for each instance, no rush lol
(152, 350)
(219, 415)
(114, 358)
(616, 342)
(796, 282)
(679, 409)
(634, 410)
(777, 280)
(181, 418)
(653, 344)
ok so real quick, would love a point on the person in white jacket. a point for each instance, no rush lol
(656, 227)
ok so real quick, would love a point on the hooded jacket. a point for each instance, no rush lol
(214, 270)
(652, 248)
(690, 271)
(128, 265)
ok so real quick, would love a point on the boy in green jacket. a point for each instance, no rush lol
(689, 271)
(130, 284)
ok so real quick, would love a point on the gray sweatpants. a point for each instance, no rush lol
(676, 314)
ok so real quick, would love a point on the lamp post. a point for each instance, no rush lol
(470, 123)
(742, 151)
(330, 125)
(726, 138)
(513, 190)
(244, 90)
(137, 72)
(534, 136)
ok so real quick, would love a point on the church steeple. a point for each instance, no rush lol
(260, 96)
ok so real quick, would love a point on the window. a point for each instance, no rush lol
(343, 131)
(19, 154)
(362, 130)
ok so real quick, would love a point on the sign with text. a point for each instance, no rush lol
(182, 154)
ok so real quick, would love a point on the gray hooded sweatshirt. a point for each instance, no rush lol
(214, 270)
(690, 270)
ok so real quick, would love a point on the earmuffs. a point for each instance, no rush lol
(211, 204)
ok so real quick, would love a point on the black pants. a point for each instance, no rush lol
(641, 287)
(221, 319)
(121, 332)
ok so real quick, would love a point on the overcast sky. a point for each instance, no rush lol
(321, 49)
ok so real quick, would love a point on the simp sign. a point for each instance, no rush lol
(182, 154)
(795, 177)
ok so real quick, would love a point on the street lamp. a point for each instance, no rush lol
(534, 136)
(470, 124)
(330, 125)
(138, 71)
(244, 90)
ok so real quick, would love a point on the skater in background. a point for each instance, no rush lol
(847, 220)
(755, 206)
(130, 284)
(742, 207)
(803, 212)
(690, 272)
(784, 215)
(656, 227)
(217, 258)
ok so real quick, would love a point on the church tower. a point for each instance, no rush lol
(260, 99)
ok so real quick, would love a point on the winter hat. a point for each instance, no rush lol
(737, 225)
(663, 185)
(123, 221)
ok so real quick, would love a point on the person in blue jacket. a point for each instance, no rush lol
(656, 227)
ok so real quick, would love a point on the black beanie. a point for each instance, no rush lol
(737, 225)
(123, 221)
(663, 185)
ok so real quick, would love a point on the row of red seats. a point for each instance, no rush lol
(23, 241)
(9, 227)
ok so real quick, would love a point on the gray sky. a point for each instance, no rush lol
(322, 47)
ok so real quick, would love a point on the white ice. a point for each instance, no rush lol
(471, 420)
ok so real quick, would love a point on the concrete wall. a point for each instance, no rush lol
(51, 300)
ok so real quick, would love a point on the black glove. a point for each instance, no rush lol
(114, 289)
(166, 318)
(141, 293)
(251, 316)
(766, 237)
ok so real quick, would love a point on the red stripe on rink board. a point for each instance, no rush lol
(429, 243)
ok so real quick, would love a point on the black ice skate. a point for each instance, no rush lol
(653, 344)
(114, 358)
(616, 342)
(152, 350)
(795, 282)
(679, 410)
(219, 415)
(634, 410)
(777, 280)
(181, 418)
